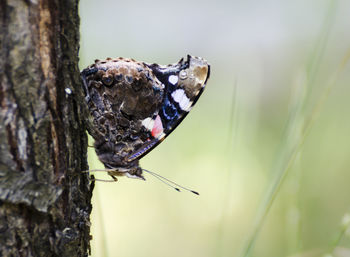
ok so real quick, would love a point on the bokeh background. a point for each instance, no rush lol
(273, 118)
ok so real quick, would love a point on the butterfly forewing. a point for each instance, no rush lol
(183, 84)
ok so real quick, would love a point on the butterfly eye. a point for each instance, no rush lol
(183, 74)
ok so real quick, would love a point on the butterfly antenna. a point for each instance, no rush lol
(170, 183)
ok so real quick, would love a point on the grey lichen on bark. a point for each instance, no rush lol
(44, 197)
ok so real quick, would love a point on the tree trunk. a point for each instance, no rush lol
(44, 197)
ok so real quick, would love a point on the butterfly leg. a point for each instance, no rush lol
(87, 95)
(114, 178)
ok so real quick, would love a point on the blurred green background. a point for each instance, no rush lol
(276, 106)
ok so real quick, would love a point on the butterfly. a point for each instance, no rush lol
(134, 106)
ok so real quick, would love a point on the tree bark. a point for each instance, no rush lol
(44, 197)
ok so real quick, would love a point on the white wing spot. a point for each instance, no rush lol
(177, 95)
(186, 104)
(180, 97)
(173, 79)
(148, 123)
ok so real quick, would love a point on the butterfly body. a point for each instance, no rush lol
(135, 105)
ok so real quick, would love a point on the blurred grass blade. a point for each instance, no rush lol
(232, 134)
(345, 227)
(320, 47)
(295, 131)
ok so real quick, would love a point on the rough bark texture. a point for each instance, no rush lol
(44, 196)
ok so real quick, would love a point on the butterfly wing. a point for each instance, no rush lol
(183, 83)
(135, 105)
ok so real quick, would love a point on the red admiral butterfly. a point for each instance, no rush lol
(135, 105)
